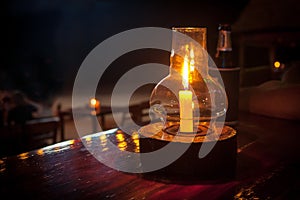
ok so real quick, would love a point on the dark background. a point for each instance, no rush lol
(43, 42)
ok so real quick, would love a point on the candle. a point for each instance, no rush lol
(186, 111)
(186, 101)
(93, 102)
(95, 105)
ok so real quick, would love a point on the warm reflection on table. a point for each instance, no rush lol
(267, 168)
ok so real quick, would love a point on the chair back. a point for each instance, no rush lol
(41, 131)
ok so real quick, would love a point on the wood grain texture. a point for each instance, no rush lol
(267, 167)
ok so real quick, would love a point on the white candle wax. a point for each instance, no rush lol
(186, 111)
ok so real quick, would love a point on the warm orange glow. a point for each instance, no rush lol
(120, 137)
(136, 141)
(23, 156)
(93, 112)
(192, 62)
(185, 99)
(277, 64)
(93, 102)
(40, 152)
(188, 67)
(2, 166)
(185, 73)
(135, 136)
(122, 145)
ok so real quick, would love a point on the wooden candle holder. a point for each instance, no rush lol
(218, 165)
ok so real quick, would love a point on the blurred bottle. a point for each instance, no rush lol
(229, 72)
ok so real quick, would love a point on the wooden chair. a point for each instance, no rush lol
(139, 113)
(41, 132)
(63, 115)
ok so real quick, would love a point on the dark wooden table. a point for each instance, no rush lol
(267, 168)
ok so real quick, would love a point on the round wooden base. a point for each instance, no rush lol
(218, 165)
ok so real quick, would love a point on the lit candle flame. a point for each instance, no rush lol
(95, 105)
(277, 64)
(185, 73)
(192, 62)
(93, 102)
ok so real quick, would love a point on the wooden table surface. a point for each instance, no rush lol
(268, 164)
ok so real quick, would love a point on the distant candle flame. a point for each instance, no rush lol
(93, 102)
(277, 64)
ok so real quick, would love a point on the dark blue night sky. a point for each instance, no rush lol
(45, 41)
